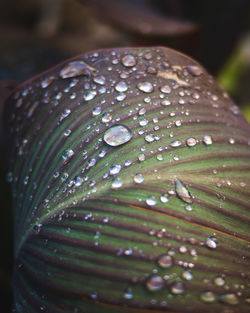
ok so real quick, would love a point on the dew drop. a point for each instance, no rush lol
(229, 298)
(164, 198)
(178, 123)
(175, 144)
(219, 281)
(145, 87)
(76, 68)
(96, 111)
(165, 261)
(151, 201)
(107, 117)
(191, 142)
(165, 89)
(194, 70)
(99, 80)
(47, 81)
(208, 296)
(121, 86)
(155, 283)
(182, 192)
(138, 178)
(89, 95)
(67, 154)
(211, 243)
(207, 140)
(115, 169)
(117, 183)
(177, 288)
(117, 135)
(187, 275)
(128, 60)
(165, 102)
(128, 294)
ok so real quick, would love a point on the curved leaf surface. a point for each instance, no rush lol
(130, 176)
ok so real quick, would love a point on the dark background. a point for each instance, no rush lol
(37, 34)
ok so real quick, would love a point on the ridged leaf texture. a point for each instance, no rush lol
(130, 179)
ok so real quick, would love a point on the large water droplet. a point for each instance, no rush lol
(165, 261)
(175, 143)
(138, 178)
(187, 275)
(177, 288)
(121, 86)
(182, 192)
(76, 68)
(145, 87)
(67, 154)
(208, 296)
(128, 60)
(96, 111)
(155, 283)
(117, 135)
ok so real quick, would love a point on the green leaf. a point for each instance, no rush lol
(130, 179)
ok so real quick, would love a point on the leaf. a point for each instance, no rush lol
(130, 189)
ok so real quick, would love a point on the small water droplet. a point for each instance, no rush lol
(175, 144)
(164, 198)
(99, 80)
(165, 261)
(128, 294)
(208, 296)
(89, 95)
(47, 81)
(182, 192)
(155, 283)
(145, 87)
(229, 298)
(211, 243)
(96, 111)
(117, 135)
(149, 138)
(138, 178)
(141, 157)
(178, 123)
(207, 140)
(219, 281)
(165, 89)
(187, 275)
(107, 117)
(128, 60)
(76, 68)
(151, 201)
(177, 288)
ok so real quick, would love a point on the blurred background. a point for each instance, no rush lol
(37, 34)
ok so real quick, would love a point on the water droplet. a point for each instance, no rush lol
(231, 141)
(165, 261)
(121, 97)
(183, 249)
(165, 89)
(164, 198)
(155, 283)
(207, 140)
(188, 208)
(187, 275)
(96, 111)
(117, 135)
(178, 123)
(121, 86)
(219, 281)
(151, 201)
(194, 70)
(89, 95)
(191, 142)
(9, 177)
(143, 122)
(128, 294)
(165, 102)
(67, 154)
(141, 157)
(117, 183)
(78, 181)
(47, 81)
(208, 296)
(229, 298)
(145, 87)
(128, 60)
(107, 117)
(115, 169)
(211, 243)
(76, 68)
(177, 288)
(99, 80)
(182, 192)
(149, 138)
(175, 144)
(138, 178)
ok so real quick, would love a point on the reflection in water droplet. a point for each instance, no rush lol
(76, 68)
(208, 296)
(194, 70)
(177, 288)
(128, 60)
(207, 140)
(151, 201)
(117, 183)
(182, 192)
(165, 261)
(149, 137)
(165, 102)
(138, 178)
(211, 243)
(117, 135)
(145, 87)
(89, 95)
(155, 283)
